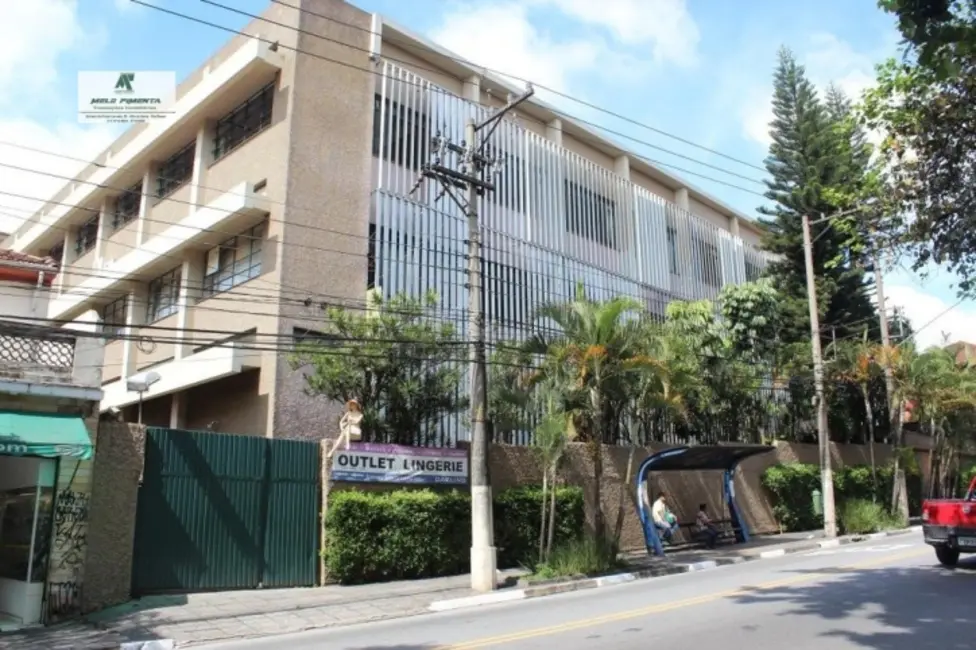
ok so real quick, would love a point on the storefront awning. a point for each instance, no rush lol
(44, 434)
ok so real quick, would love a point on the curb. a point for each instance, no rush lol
(509, 595)
(154, 644)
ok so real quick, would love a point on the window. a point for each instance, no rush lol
(399, 253)
(114, 317)
(234, 262)
(407, 133)
(506, 295)
(707, 262)
(175, 172)
(164, 296)
(673, 250)
(752, 271)
(245, 121)
(590, 215)
(56, 252)
(508, 182)
(87, 236)
(127, 206)
(304, 335)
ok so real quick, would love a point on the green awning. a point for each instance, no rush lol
(44, 434)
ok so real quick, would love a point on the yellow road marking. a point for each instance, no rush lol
(665, 607)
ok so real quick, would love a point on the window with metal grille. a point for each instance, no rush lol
(244, 122)
(407, 133)
(673, 250)
(86, 236)
(175, 171)
(114, 316)
(127, 206)
(590, 214)
(508, 181)
(164, 296)
(753, 271)
(234, 262)
(506, 295)
(707, 262)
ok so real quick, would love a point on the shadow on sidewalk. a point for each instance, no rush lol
(906, 608)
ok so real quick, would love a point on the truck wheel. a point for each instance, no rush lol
(947, 556)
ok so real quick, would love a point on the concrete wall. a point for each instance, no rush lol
(69, 540)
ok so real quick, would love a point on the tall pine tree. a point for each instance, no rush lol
(815, 151)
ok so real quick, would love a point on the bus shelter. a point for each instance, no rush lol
(723, 458)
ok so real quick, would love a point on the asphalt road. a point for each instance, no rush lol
(889, 595)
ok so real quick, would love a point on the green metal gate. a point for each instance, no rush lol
(224, 511)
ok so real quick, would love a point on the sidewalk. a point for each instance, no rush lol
(200, 618)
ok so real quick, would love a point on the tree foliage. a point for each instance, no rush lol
(818, 153)
(923, 105)
(396, 358)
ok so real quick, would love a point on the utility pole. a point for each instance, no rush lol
(826, 474)
(471, 179)
(899, 500)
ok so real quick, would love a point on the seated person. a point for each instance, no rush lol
(664, 520)
(706, 529)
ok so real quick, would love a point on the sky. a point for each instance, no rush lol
(662, 74)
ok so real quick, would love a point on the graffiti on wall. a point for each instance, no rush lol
(68, 552)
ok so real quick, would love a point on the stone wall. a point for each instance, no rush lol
(118, 463)
(511, 465)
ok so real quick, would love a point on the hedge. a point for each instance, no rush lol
(409, 534)
(791, 487)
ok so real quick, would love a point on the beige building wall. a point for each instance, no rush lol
(328, 196)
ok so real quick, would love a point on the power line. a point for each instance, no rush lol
(548, 89)
(442, 91)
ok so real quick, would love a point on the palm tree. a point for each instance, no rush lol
(659, 388)
(940, 388)
(597, 348)
(856, 363)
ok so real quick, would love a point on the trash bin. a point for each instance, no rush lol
(817, 497)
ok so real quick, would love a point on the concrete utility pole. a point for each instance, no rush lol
(899, 500)
(471, 179)
(826, 473)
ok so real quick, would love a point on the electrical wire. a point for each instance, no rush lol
(415, 65)
(377, 73)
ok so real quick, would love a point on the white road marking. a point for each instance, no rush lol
(855, 548)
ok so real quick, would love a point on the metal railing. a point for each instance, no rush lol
(554, 220)
(26, 347)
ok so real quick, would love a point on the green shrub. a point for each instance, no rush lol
(409, 534)
(377, 536)
(859, 517)
(791, 487)
(517, 513)
(577, 557)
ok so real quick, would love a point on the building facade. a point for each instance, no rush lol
(50, 383)
(284, 182)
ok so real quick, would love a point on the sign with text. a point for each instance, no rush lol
(377, 463)
(125, 97)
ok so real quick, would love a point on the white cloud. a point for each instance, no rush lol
(932, 317)
(526, 52)
(666, 26)
(65, 139)
(34, 38)
(614, 39)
